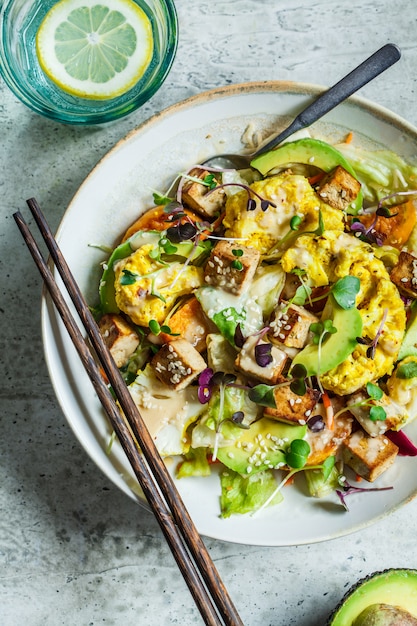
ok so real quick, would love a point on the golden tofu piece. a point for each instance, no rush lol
(290, 407)
(231, 267)
(395, 415)
(119, 336)
(368, 456)
(404, 274)
(290, 325)
(197, 196)
(246, 361)
(327, 442)
(177, 363)
(338, 188)
(190, 322)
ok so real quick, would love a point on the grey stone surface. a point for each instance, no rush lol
(73, 549)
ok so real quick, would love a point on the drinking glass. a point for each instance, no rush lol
(20, 69)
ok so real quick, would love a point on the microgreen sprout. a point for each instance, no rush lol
(372, 343)
(345, 290)
(302, 294)
(210, 181)
(207, 382)
(320, 331)
(369, 234)
(298, 382)
(156, 328)
(238, 338)
(181, 232)
(315, 423)
(263, 394)
(406, 371)
(164, 247)
(263, 356)
(347, 490)
(156, 293)
(297, 454)
(294, 233)
(161, 199)
(376, 413)
(320, 228)
(205, 389)
(252, 196)
(174, 210)
(295, 223)
(236, 263)
(128, 277)
(326, 467)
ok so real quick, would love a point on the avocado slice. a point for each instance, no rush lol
(409, 344)
(396, 588)
(309, 152)
(246, 451)
(335, 348)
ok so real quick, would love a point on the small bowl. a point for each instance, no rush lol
(19, 22)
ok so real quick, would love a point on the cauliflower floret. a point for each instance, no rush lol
(293, 195)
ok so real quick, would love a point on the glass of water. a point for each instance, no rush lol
(22, 72)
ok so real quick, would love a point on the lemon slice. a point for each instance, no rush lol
(95, 48)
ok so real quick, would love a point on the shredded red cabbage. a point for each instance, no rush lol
(406, 446)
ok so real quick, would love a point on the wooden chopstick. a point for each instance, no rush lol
(191, 554)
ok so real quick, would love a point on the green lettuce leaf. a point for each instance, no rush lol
(195, 464)
(240, 495)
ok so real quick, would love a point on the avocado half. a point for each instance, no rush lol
(371, 599)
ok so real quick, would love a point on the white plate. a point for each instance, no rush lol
(112, 196)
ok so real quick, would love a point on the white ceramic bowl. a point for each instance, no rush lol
(115, 192)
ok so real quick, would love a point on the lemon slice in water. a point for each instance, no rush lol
(95, 49)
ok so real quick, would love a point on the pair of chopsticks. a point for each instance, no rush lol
(189, 551)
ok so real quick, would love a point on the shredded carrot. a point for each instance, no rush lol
(313, 180)
(104, 375)
(349, 137)
(290, 481)
(206, 233)
(358, 478)
(329, 411)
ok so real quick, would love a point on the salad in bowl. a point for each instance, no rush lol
(265, 320)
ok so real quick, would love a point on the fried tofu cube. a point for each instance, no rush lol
(190, 323)
(119, 336)
(177, 363)
(290, 407)
(197, 197)
(396, 415)
(368, 456)
(290, 325)
(339, 188)
(247, 361)
(328, 441)
(404, 274)
(231, 267)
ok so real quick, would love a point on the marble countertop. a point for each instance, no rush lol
(74, 550)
